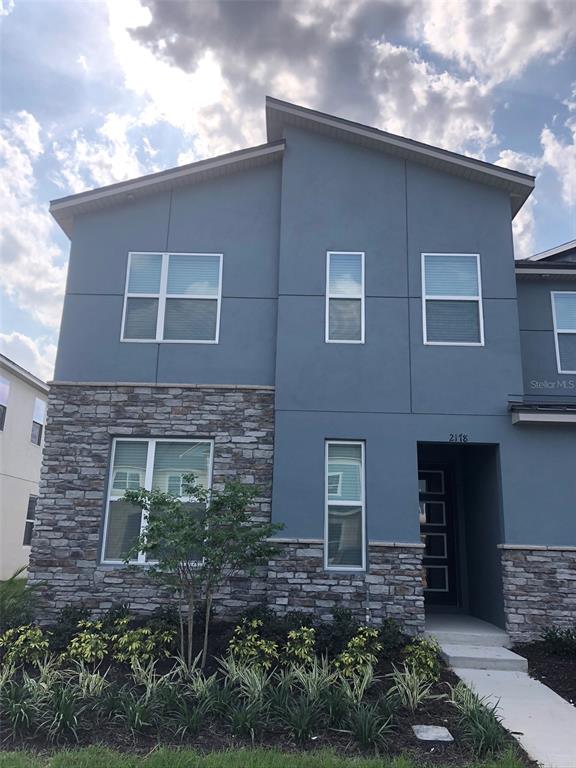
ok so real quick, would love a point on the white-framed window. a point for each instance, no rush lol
(38, 420)
(4, 393)
(30, 517)
(172, 297)
(345, 513)
(156, 463)
(345, 297)
(452, 312)
(564, 315)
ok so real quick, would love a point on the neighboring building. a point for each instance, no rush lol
(333, 316)
(22, 416)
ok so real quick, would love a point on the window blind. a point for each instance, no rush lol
(194, 275)
(145, 272)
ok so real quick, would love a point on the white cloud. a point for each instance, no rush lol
(6, 7)
(524, 225)
(81, 60)
(415, 99)
(493, 38)
(32, 273)
(87, 162)
(561, 157)
(35, 355)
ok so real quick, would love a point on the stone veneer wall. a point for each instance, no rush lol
(82, 420)
(392, 587)
(539, 589)
(81, 423)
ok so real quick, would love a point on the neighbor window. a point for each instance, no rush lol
(173, 297)
(4, 392)
(153, 465)
(452, 299)
(564, 309)
(38, 421)
(345, 297)
(345, 510)
(30, 516)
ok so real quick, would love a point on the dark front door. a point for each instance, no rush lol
(437, 534)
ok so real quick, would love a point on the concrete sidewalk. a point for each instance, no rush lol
(543, 722)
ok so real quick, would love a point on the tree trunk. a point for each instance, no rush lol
(206, 626)
(181, 622)
(190, 625)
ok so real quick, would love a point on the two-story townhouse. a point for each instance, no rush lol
(22, 416)
(337, 317)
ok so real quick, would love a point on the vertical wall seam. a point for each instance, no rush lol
(408, 283)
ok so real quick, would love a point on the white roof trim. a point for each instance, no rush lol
(22, 373)
(553, 251)
(539, 418)
(546, 271)
(518, 184)
(65, 208)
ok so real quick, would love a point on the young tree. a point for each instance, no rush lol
(194, 546)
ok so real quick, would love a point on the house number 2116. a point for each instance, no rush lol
(462, 437)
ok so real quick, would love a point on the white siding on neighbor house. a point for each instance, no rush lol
(20, 462)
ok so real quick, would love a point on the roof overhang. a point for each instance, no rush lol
(65, 209)
(281, 113)
(532, 411)
(558, 250)
(553, 269)
(9, 365)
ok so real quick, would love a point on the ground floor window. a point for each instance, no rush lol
(344, 534)
(153, 465)
(30, 516)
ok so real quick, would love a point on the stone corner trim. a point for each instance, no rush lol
(539, 586)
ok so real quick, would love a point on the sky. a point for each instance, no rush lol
(96, 91)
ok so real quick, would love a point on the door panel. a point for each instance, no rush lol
(437, 534)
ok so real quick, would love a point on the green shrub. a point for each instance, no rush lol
(301, 717)
(91, 644)
(248, 647)
(422, 655)
(560, 641)
(18, 707)
(479, 722)
(248, 718)
(361, 651)
(61, 712)
(332, 636)
(142, 643)
(186, 718)
(391, 637)
(26, 644)
(300, 645)
(368, 727)
(18, 601)
(314, 679)
(66, 626)
(410, 688)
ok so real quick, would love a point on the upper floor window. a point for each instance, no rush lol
(30, 517)
(344, 536)
(345, 297)
(38, 420)
(452, 299)
(564, 311)
(173, 297)
(4, 392)
(154, 465)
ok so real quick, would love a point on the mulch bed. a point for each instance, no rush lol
(217, 736)
(555, 671)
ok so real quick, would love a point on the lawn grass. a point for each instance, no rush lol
(100, 757)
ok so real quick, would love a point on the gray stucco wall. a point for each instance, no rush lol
(541, 377)
(237, 215)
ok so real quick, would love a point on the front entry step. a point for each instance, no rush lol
(456, 629)
(482, 657)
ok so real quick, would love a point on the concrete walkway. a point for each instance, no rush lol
(543, 722)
